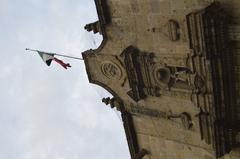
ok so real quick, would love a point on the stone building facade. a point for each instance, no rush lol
(173, 68)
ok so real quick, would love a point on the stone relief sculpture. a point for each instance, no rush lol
(149, 76)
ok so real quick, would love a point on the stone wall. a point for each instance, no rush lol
(155, 33)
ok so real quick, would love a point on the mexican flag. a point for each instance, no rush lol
(48, 58)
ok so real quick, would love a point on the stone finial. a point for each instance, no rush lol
(95, 27)
(106, 100)
(112, 101)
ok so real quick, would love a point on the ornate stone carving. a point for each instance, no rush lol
(137, 66)
(171, 76)
(149, 75)
(111, 70)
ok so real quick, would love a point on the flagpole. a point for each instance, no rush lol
(68, 56)
(55, 54)
(31, 50)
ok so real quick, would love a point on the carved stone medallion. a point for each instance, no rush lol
(111, 70)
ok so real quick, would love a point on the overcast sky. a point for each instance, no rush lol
(49, 112)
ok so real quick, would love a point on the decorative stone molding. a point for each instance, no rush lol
(184, 117)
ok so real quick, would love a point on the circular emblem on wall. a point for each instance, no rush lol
(111, 70)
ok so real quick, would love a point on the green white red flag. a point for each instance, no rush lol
(48, 58)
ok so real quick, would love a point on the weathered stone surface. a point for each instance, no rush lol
(173, 69)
